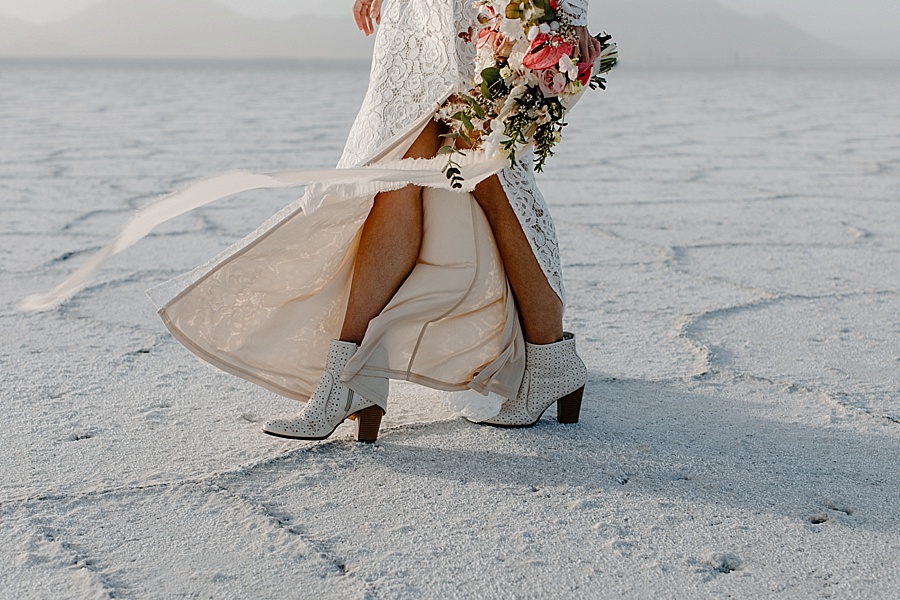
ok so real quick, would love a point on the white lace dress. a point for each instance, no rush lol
(267, 308)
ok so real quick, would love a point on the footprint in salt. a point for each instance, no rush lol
(834, 511)
(157, 413)
(838, 507)
(716, 564)
(724, 564)
(82, 435)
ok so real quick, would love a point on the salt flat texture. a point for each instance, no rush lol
(731, 243)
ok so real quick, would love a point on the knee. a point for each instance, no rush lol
(429, 141)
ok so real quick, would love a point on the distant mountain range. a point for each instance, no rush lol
(13, 30)
(703, 32)
(649, 32)
(183, 29)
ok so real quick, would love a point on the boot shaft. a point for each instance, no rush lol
(558, 357)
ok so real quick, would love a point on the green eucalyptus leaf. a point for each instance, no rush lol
(486, 90)
(491, 75)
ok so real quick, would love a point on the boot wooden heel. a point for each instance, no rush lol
(568, 408)
(368, 420)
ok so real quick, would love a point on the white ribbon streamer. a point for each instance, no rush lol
(362, 181)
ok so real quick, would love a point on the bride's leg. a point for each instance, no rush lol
(540, 309)
(554, 373)
(389, 246)
(388, 249)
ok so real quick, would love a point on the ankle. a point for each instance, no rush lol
(351, 338)
(541, 334)
(543, 340)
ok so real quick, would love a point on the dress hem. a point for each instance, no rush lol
(393, 374)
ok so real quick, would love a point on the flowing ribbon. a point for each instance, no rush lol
(357, 182)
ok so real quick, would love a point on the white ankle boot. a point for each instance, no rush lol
(553, 373)
(331, 403)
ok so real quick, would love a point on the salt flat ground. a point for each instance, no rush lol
(731, 243)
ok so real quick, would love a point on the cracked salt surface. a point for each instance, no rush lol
(730, 246)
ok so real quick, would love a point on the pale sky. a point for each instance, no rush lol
(872, 27)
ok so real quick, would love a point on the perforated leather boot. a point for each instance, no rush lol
(331, 403)
(553, 373)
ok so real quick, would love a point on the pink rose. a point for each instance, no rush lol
(551, 82)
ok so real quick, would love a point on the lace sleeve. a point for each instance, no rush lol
(577, 11)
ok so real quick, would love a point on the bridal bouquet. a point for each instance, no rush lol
(528, 72)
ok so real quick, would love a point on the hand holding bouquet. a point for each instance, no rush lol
(530, 70)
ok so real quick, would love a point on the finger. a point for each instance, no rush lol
(361, 16)
(364, 16)
(376, 10)
(596, 49)
(358, 17)
(583, 44)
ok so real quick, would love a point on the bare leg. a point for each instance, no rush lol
(389, 246)
(540, 309)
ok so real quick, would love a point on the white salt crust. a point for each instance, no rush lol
(729, 242)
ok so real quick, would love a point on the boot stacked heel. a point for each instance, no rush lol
(568, 408)
(332, 402)
(368, 421)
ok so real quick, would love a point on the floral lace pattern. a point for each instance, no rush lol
(422, 55)
(577, 11)
(530, 207)
(419, 59)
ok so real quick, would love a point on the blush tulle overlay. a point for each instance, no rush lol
(267, 308)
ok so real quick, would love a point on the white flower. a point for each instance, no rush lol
(516, 57)
(554, 26)
(541, 115)
(514, 78)
(510, 106)
(518, 91)
(483, 60)
(571, 94)
(499, 6)
(533, 32)
(506, 72)
(512, 28)
(568, 67)
(545, 28)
